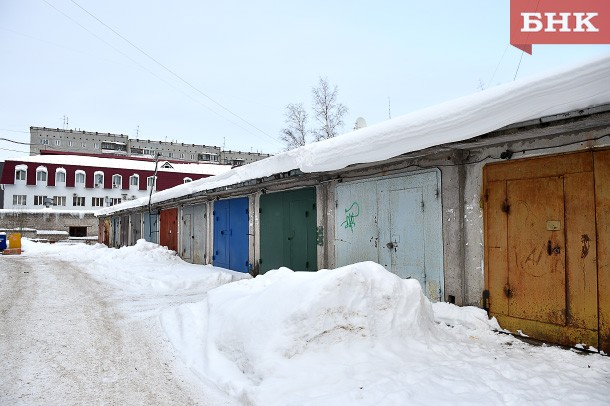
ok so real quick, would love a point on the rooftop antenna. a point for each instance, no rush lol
(137, 131)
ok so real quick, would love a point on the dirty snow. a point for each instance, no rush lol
(577, 87)
(355, 335)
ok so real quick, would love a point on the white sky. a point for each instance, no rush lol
(251, 57)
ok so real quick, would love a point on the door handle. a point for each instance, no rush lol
(390, 245)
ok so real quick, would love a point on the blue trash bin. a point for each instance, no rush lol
(2, 241)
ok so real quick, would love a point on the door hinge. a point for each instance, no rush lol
(307, 265)
(485, 304)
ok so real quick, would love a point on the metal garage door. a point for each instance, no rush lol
(193, 232)
(231, 234)
(168, 229)
(396, 222)
(150, 226)
(288, 230)
(136, 227)
(546, 246)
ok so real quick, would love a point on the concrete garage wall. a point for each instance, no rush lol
(41, 223)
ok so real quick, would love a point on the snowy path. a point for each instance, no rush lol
(63, 342)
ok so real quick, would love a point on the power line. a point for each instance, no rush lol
(14, 150)
(173, 73)
(518, 66)
(145, 68)
(16, 142)
(498, 66)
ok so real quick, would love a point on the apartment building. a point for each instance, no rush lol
(88, 142)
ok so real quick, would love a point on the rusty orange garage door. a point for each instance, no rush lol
(168, 229)
(541, 246)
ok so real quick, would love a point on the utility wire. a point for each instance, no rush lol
(498, 66)
(172, 72)
(14, 150)
(518, 66)
(16, 142)
(145, 68)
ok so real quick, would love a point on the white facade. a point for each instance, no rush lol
(20, 196)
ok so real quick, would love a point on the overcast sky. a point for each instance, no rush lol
(222, 72)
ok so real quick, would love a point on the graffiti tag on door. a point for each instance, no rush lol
(350, 214)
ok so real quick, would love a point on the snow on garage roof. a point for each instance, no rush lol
(92, 161)
(578, 87)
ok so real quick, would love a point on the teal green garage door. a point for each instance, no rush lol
(288, 230)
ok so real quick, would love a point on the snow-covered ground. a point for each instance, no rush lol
(356, 335)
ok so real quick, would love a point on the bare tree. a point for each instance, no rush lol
(327, 110)
(295, 132)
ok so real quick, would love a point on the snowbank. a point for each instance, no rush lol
(356, 335)
(468, 316)
(142, 268)
(246, 333)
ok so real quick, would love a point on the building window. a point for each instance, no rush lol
(44, 141)
(182, 156)
(114, 201)
(78, 201)
(171, 154)
(41, 174)
(59, 200)
(19, 200)
(58, 142)
(208, 157)
(96, 145)
(98, 179)
(79, 178)
(134, 180)
(150, 181)
(69, 143)
(117, 181)
(20, 174)
(97, 201)
(77, 231)
(192, 156)
(39, 200)
(60, 176)
(187, 180)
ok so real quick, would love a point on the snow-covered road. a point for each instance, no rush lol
(63, 341)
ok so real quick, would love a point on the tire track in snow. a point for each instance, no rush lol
(63, 342)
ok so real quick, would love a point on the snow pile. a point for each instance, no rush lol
(144, 267)
(356, 335)
(468, 316)
(249, 332)
(361, 335)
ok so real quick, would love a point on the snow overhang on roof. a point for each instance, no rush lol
(578, 87)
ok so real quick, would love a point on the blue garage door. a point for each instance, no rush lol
(231, 234)
(150, 227)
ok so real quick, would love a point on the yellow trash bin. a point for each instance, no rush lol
(14, 240)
